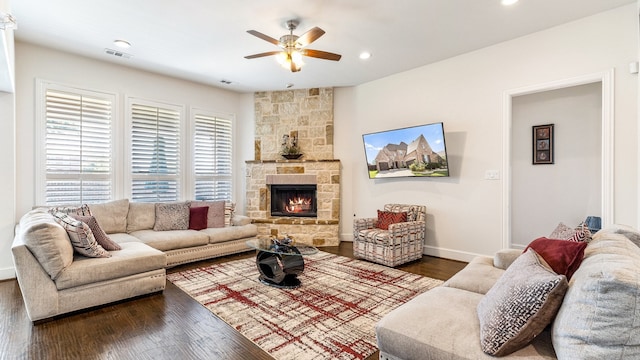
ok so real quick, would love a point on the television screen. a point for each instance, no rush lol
(417, 151)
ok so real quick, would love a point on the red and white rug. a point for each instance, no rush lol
(331, 316)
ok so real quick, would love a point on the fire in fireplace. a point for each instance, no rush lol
(294, 200)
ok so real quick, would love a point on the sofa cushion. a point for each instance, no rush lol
(478, 276)
(386, 218)
(198, 217)
(112, 215)
(134, 258)
(442, 323)
(563, 256)
(81, 236)
(101, 237)
(218, 235)
(599, 317)
(520, 305)
(216, 213)
(141, 216)
(46, 240)
(172, 216)
(171, 239)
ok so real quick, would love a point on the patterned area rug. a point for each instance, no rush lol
(331, 316)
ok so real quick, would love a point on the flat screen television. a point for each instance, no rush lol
(417, 151)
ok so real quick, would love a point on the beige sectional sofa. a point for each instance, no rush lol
(599, 316)
(54, 280)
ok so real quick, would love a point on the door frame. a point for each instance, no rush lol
(607, 131)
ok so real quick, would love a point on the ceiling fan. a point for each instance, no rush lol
(293, 47)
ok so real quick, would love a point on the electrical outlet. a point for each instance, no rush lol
(492, 175)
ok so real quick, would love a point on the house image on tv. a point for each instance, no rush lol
(401, 156)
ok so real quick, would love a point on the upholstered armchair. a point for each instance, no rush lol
(400, 243)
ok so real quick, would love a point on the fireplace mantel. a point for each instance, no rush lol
(289, 161)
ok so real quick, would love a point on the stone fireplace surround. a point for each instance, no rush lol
(317, 231)
(307, 115)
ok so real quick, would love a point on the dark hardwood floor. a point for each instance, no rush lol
(170, 325)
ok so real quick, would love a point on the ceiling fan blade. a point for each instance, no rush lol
(264, 37)
(294, 68)
(269, 53)
(321, 54)
(310, 36)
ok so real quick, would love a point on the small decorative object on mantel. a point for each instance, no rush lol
(290, 149)
(543, 144)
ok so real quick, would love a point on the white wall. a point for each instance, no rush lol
(7, 161)
(570, 189)
(465, 211)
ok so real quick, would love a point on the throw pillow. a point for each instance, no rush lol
(101, 237)
(172, 216)
(563, 256)
(386, 218)
(229, 211)
(562, 232)
(520, 305)
(215, 214)
(81, 237)
(71, 210)
(198, 217)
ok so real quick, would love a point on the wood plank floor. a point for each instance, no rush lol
(170, 325)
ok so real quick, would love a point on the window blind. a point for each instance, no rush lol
(155, 153)
(78, 144)
(212, 156)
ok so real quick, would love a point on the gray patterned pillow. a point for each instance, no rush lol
(520, 305)
(82, 210)
(172, 216)
(101, 237)
(81, 237)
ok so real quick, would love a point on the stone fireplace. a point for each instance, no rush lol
(299, 198)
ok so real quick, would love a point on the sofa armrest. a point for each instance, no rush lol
(363, 224)
(240, 220)
(400, 230)
(504, 258)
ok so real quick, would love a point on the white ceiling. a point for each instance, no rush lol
(206, 40)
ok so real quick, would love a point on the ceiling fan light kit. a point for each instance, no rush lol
(293, 47)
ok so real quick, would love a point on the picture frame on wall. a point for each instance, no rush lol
(542, 144)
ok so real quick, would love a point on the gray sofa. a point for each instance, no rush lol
(599, 317)
(54, 280)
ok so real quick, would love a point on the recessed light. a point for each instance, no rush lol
(508, 2)
(122, 44)
(365, 55)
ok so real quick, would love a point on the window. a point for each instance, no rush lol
(155, 155)
(76, 146)
(212, 150)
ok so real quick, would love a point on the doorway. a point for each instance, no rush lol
(579, 182)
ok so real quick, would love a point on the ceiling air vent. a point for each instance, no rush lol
(226, 82)
(117, 53)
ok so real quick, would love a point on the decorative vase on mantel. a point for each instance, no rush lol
(291, 156)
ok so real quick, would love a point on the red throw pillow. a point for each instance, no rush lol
(563, 256)
(386, 218)
(198, 217)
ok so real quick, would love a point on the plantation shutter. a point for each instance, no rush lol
(77, 147)
(155, 153)
(212, 157)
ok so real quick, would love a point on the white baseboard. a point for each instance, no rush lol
(449, 253)
(7, 273)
